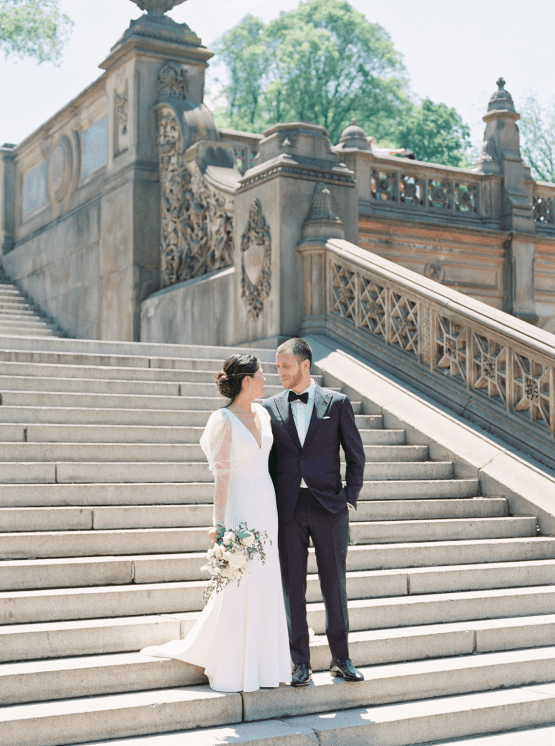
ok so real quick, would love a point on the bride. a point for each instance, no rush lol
(240, 638)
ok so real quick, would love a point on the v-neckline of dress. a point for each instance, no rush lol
(247, 429)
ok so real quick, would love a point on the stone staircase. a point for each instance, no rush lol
(104, 503)
(18, 316)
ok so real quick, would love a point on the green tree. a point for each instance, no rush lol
(436, 133)
(33, 28)
(537, 130)
(323, 63)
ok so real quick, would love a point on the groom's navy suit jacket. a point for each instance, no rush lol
(318, 461)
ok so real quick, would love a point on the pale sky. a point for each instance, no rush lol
(454, 51)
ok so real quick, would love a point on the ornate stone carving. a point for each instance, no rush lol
(122, 109)
(321, 207)
(256, 233)
(157, 7)
(173, 81)
(60, 168)
(435, 271)
(197, 221)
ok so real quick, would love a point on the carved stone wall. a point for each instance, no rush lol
(197, 221)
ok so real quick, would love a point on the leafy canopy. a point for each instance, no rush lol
(537, 129)
(323, 62)
(435, 133)
(33, 28)
(326, 63)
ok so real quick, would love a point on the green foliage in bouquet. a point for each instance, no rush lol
(229, 558)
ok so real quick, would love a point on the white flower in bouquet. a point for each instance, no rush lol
(237, 561)
(248, 540)
(229, 537)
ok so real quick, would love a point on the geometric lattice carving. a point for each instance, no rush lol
(489, 367)
(451, 346)
(532, 388)
(411, 190)
(403, 323)
(373, 307)
(344, 292)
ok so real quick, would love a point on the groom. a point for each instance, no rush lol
(309, 424)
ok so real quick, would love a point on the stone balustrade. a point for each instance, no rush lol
(544, 206)
(489, 366)
(245, 146)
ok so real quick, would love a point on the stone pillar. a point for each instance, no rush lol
(272, 203)
(7, 198)
(501, 155)
(131, 202)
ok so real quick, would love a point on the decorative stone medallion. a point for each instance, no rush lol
(256, 253)
(60, 167)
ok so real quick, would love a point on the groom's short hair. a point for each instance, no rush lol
(297, 347)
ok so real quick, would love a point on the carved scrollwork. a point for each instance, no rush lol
(197, 221)
(256, 233)
(173, 81)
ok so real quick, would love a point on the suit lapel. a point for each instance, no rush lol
(282, 406)
(321, 404)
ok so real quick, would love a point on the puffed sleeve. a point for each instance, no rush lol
(216, 444)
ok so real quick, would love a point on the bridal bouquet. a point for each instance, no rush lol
(229, 557)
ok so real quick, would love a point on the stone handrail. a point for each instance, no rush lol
(245, 145)
(544, 205)
(491, 367)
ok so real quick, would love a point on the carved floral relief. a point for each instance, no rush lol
(197, 221)
(256, 236)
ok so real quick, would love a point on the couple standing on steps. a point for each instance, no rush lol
(277, 467)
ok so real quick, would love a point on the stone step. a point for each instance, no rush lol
(6, 330)
(173, 516)
(419, 723)
(117, 386)
(15, 432)
(175, 471)
(23, 320)
(35, 495)
(58, 604)
(75, 572)
(78, 720)
(46, 370)
(137, 452)
(116, 416)
(444, 529)
(298, 732)
(49, 640)
(18, 311)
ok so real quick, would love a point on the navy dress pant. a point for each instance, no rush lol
(330, 537)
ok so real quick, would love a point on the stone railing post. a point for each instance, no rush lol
(501, 155)
(7, 198)
(298, 190)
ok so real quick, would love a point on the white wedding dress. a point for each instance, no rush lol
(240, 638)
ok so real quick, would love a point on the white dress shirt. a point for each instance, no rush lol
(302, 414)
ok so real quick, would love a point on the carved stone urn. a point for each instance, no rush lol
(157, 7)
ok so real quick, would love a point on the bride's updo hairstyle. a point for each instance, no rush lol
(230, 380)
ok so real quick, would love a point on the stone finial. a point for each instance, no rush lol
(322, 221)
(501, 99)
(157, 7)
(353, 137)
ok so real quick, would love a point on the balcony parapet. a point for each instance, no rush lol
(485, 364)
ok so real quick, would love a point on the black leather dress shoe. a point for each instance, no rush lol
(345, 669)
(302, 673)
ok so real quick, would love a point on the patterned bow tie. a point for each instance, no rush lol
(298, 397)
